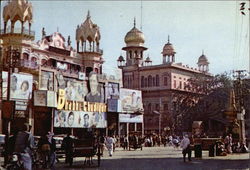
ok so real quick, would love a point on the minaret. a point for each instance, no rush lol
(134, 40)
(168, 51)
(203, 63)
(13, 38)
(88, 42)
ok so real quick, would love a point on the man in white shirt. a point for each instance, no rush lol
(185, 145)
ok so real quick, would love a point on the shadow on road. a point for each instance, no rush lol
(161, 164)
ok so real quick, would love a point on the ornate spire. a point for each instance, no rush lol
(202, 52)
(168, 38)
(134, 22)
(88, 15)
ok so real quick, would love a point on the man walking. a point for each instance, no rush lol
(24, 145)
(185, 145)
(68, 145)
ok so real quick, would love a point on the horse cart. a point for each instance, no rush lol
(87, 148)
(135, 142)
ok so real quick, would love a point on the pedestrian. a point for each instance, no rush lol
(68, 146)
(52, 143)
(185, 145)
(24, 145)
(110, 144)
(228, 143)
(102, 144)
(125, 142)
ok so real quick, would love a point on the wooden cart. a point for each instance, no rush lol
(87, 148)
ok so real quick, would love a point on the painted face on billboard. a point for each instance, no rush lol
(93, 82)
(86, 121)
(70, 118)
(13, 83)
(24, 86)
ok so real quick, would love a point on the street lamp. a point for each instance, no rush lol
(156, 112)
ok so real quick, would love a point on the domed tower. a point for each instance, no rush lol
(88, 42)
(17, 18)
(203, 63)
(168, 51)
(148, 61)
(134, 40)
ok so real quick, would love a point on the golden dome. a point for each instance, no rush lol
(134, 37)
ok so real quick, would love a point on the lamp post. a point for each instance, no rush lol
(156, 112)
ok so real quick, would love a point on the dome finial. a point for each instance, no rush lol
(88, 15)
(134, 22)
(202, 52)
(168, 38)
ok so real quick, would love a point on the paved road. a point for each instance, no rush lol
(160, 158)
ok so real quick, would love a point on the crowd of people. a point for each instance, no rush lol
(45, 149)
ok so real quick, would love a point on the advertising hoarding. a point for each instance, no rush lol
(131, 100)
(130, 118)
(80, 119)
(20, 86)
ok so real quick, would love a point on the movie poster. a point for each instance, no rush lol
(20, 86)
(131, 100)
(112, 91)
(80, 119)
(47, 81)
(96, 89)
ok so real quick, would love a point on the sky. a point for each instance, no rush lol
(217, 27)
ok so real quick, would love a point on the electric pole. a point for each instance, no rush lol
(239, 98)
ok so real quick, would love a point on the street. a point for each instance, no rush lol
(159, 158)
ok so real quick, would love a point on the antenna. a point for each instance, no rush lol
(141, 15)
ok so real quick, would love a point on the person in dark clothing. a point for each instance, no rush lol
(102, 144)
(68, 146)
(47, 148)
(24, 145)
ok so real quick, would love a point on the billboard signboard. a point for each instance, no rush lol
(131, 100)
(80, 119)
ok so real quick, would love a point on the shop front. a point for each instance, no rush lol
(131, 123)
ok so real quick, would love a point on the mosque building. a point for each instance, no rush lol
(160, 84)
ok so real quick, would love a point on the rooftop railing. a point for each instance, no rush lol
(18, 31)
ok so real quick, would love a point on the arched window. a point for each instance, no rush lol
(153, 81)
(180, 85)
(142, 81)
(174, 83)
(130, 54)
(165, 81)
(44, 62)
(165, 107)
(25, 56)
(157, 80)
(146, 82)
(33, 62)
(157, 107)
(149, 108)
(149, 81)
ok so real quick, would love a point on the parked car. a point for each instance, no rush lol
(2, 142)
(59, 150)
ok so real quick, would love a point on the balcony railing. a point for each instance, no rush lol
(18, 31)
(97, 50)
(28, 64)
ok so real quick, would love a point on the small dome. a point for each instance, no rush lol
(168, 49)
(148, 59)
(120, 58)
(134, 37)
(203, 59)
